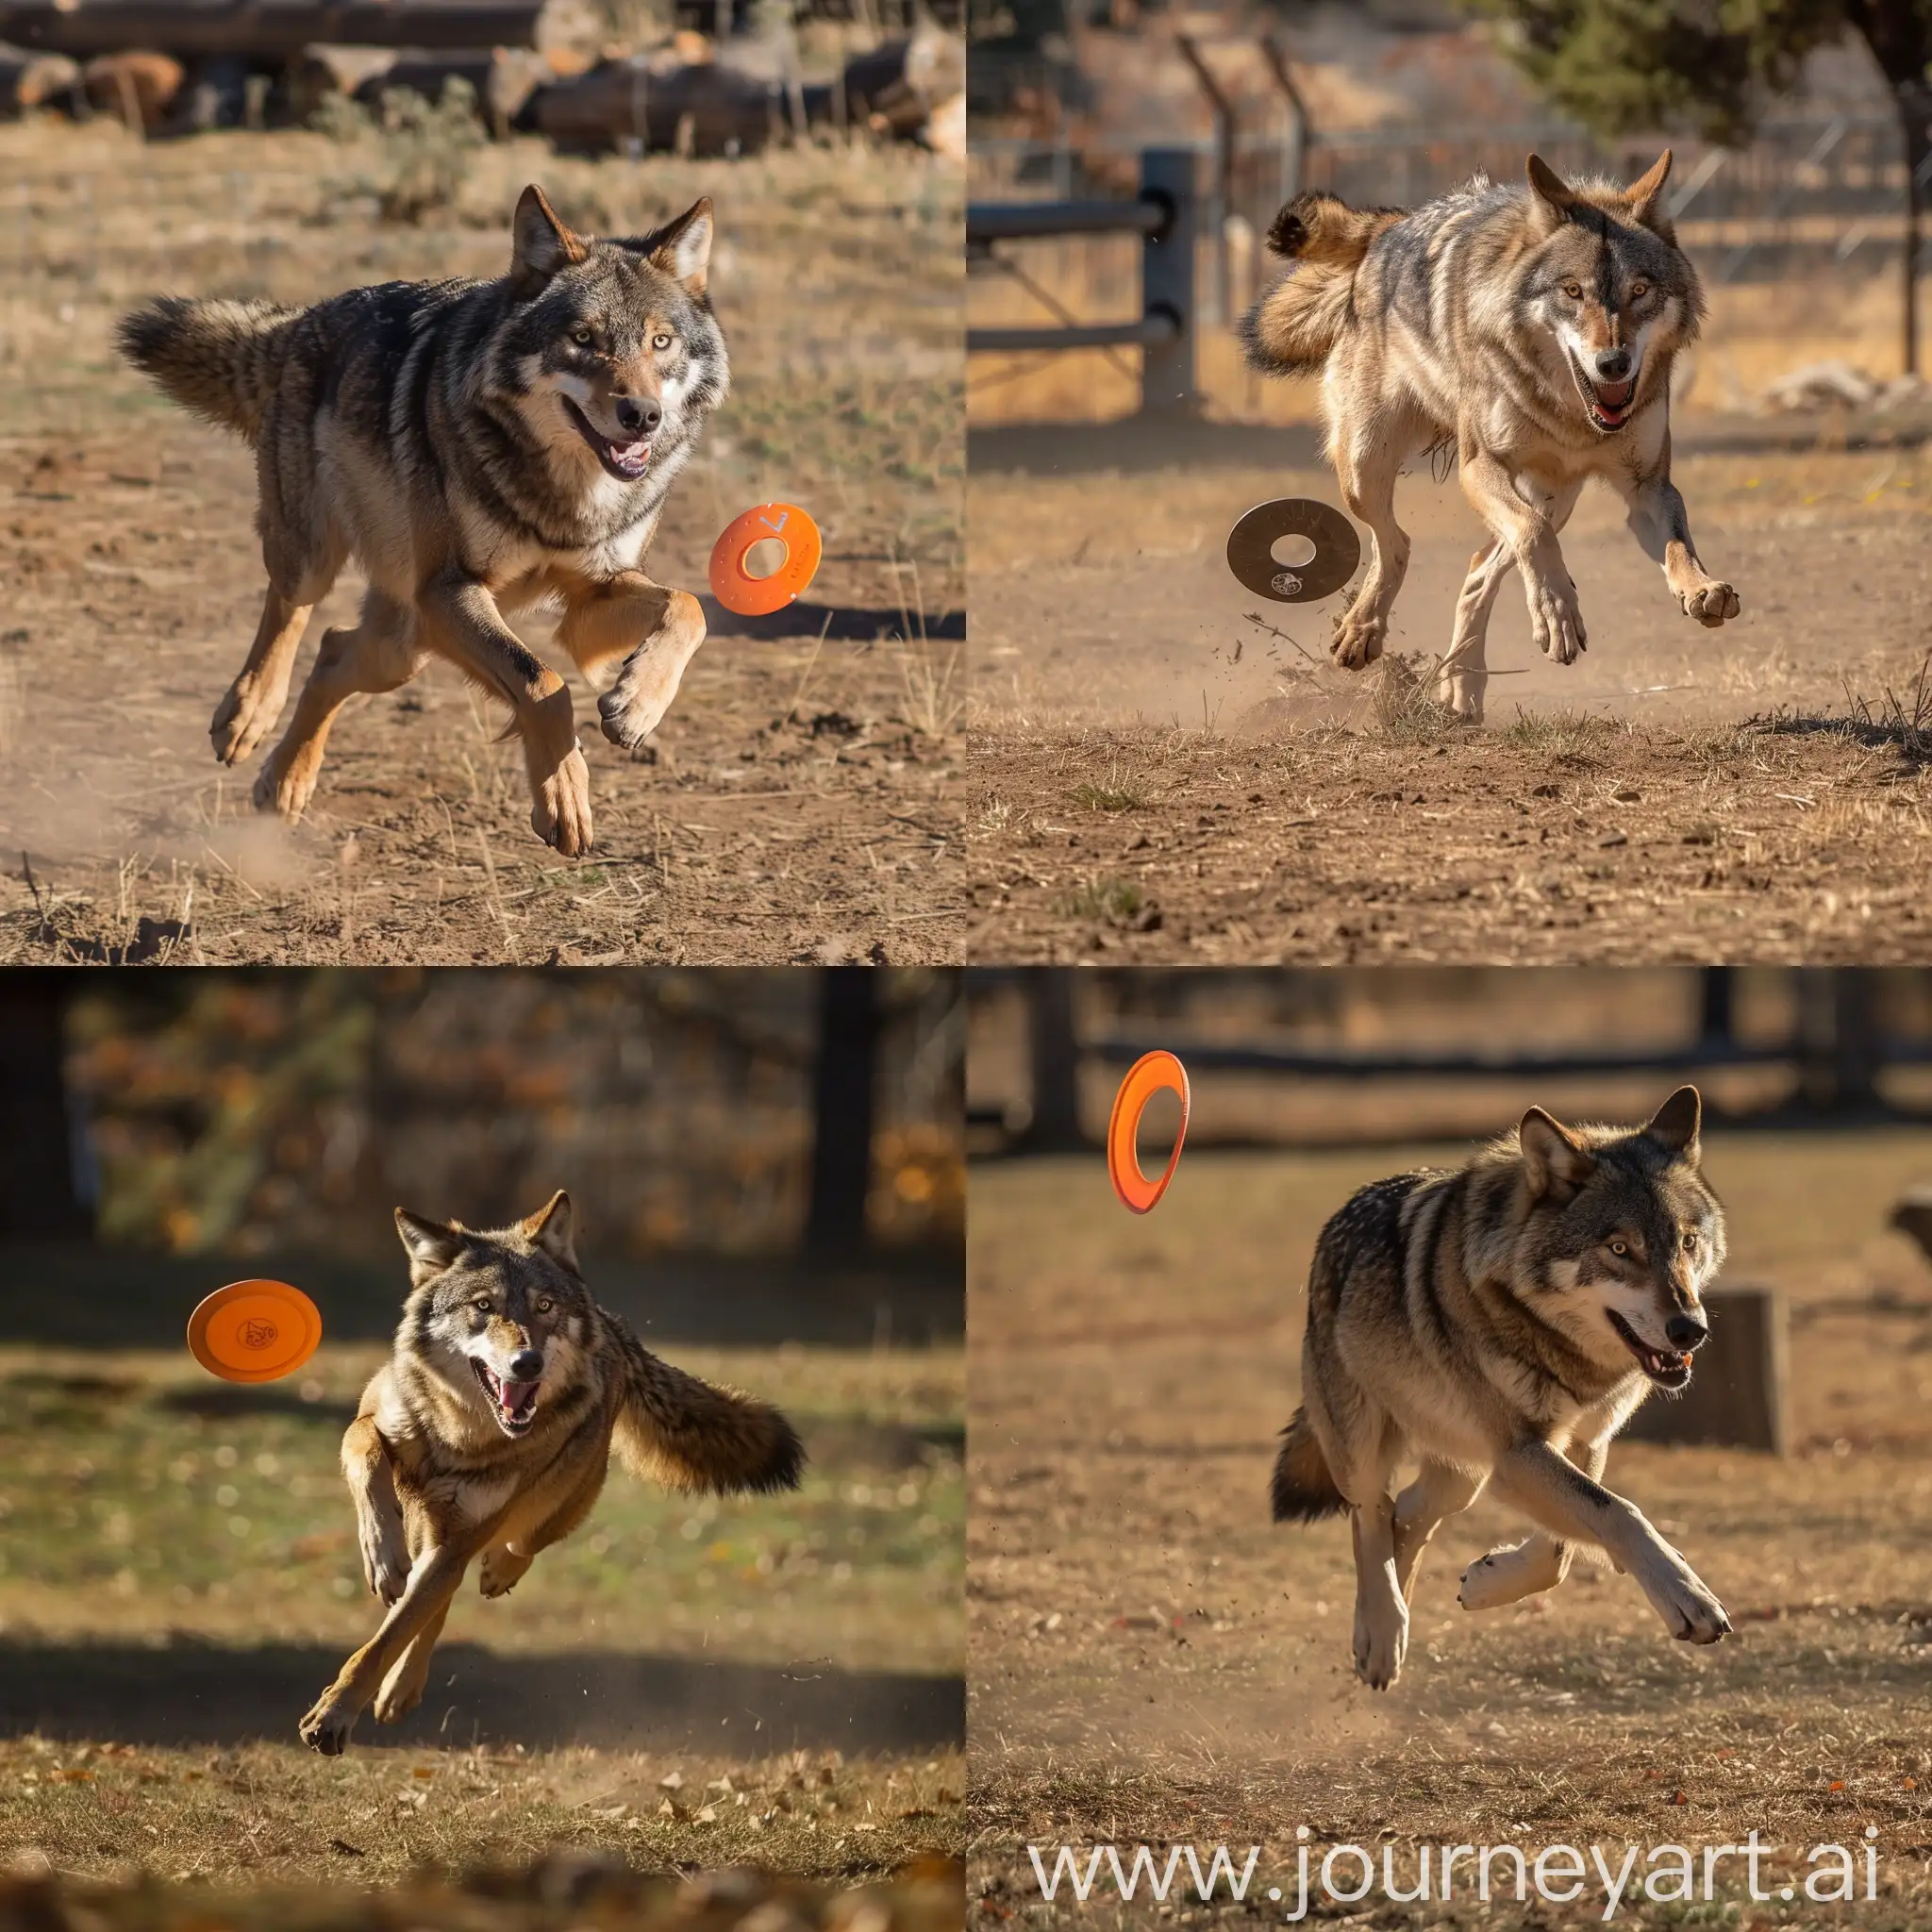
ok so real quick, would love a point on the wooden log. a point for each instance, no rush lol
(1736, 1395)
(502, 78)
(699, 109)
(29, 80)
(264, 29)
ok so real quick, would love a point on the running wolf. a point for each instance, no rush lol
(478, 448)
(489, 1433)
(1500, 1323)
(1530, 329)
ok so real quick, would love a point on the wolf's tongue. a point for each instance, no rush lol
(1613, 395)
(514, 1395)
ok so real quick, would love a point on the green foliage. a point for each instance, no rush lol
(425, 148)
(1705, 66)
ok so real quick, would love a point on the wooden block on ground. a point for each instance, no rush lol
(1736, 1399)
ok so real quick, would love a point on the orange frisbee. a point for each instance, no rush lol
(254, 1331)
(750, 596)
(1149, 1074)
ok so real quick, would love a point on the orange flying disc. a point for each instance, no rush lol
(1149, 1074)
(254, 1331)
(750, 596)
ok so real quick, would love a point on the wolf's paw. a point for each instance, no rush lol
(561, 814)
(327, 1726)
(385, 1567)
(394, 1702)
(1380, 1645)
(243, 719)
(1711, 604)
(1463, 694)
(1507, 1576)
(286, 790)
(501, 1571)
(1689, 1611)
(1358, 641)
(1555, 621)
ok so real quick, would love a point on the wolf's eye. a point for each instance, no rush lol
(1574, 289)
(481, 1304)
(581, 337)
(1690, 1238)
(544, 1308)
(1619, 1248)
(1639, 290)
(660, 341)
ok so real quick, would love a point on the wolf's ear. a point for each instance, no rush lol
(682, 248)
(1555, 1162)
(1676, 1123)
(549, 1229)
(1554, 195)
(1645, 198)
(540, 242)
(431, 1245)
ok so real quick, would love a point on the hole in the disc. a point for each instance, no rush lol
(1293, 550)
(1160, 1120)
(766, 557)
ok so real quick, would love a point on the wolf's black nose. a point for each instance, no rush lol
(1685, 1331)
(528, 1366)
(1613, 365)
(636, 416)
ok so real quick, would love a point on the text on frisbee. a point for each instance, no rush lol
(783, 524)
(1153, 1072)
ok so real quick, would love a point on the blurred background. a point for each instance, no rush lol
(767, 1169)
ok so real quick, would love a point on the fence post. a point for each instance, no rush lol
(1167, 282)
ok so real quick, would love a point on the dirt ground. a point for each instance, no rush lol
(1152, 1661)
(686, 1682)
(800, 803)
(1165, 770)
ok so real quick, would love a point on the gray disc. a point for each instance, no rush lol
(1251, 550)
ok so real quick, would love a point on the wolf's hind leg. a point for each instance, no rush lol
(1367, 462)
(1381, 1614)
(248, 711)
(378, 654)
(654, 629)
(402, 1690)
(1463, 679)
(1438, 1492)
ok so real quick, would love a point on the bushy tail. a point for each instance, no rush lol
(222, 360)
(1303, 1490)
(688, 1434)
(1291, 331)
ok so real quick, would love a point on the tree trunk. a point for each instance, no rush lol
(39, 1196)
(842, 1084)
(1914, 99)
(1053, 1047)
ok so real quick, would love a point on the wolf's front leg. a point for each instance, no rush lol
(1525, 515)
(423, 1605)
(1567, 1503)
(655, 630)
(1462, 680)
(1538, 1563)
(1661, 526)
(378, 1514)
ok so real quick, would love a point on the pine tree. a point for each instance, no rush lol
(1620, 66)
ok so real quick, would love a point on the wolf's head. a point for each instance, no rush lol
(1608, 289)
(1619, 1236)
(612, 356)
(498, 1314)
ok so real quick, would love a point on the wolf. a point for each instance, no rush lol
(1499, 1322)
(1532, 330)
(490, 1431)
(479, 448)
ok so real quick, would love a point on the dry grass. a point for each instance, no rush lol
(1153, 1661)
(771, 818)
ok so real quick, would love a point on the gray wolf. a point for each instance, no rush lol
(490, 1431)
(479, 448)
(1499, 1322)
(1532, 330)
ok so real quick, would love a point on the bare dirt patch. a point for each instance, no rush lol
(801, 802)
(1166, 770)
(1150, 1661)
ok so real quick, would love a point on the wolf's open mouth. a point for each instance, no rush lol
(1607, 404)
(514, 1402)
(1667, 1370)
(626, 460)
